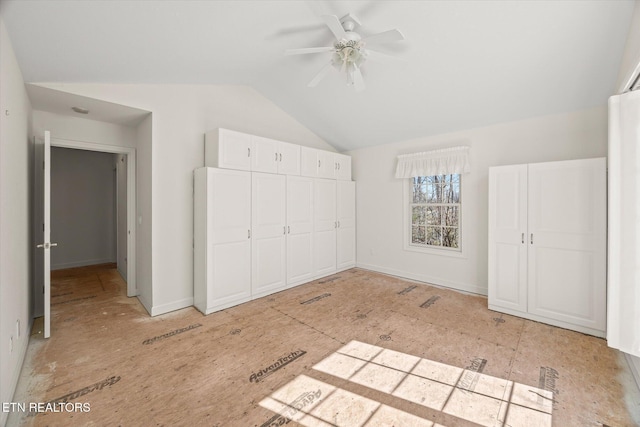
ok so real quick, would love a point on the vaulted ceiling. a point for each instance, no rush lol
(463, 64)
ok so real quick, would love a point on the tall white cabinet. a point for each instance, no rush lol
(286, 217)
(547, 243)
(222, 238)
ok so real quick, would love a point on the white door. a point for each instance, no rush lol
(46, 245)
(299, 230)
(508, 237)
(324, 223)
(567, 241)
(264, 154)
(268, 230)
(229, 241)
(288, 159)
(346, 225)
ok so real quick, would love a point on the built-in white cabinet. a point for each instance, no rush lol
(324, 164)
(300, 195)
(268, 230)
(547, 243)
(268, 215)
(229, 149)
(346, 225)
(222, 238)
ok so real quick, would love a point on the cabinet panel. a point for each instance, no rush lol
(346, 225)
(325, 223)
(507, 237)
(567, 239)
(228, 149)
(299, 230)
(343, 167)
(264, 154)
(222, 245)
(288, 159)
(268, 248)
(308, 162)
(326, 164)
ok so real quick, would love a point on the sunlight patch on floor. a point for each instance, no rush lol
(457, 392)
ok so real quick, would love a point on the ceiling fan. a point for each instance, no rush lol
(350, 50)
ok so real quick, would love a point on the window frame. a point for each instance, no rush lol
(407, 223)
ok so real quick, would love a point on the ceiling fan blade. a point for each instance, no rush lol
(308, 50)
(323, 72)
(386, 36)
(358, 80)
(379, 56)
(335, 26)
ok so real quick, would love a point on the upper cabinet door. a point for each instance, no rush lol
(309, 162)
(228, 149)
(288, 159)
(264, 155)
(326, 164)
(343, 166)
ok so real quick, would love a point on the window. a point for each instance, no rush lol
(434, 210)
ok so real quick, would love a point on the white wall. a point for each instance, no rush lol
(16, 182)
(83, 201)
(181, 116)
(379, 196)
(630, 59)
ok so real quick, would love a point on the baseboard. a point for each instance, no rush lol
(172, 306)
(15, 375)
(82, 263)
(146, 304)
(634, 365)
(425, 278)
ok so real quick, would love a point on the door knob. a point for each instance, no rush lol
(46, 245)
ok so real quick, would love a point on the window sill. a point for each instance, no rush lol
(434, 251)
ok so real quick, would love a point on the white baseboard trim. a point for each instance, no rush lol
(15, 375)
(634, 365)
(82, 263)
(146, 304)
(425, 278)
(172, 306)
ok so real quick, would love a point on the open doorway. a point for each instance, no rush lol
(129, 243)
(120, 239)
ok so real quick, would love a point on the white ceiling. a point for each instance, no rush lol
(464, 64)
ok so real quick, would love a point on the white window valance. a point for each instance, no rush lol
(437, 162)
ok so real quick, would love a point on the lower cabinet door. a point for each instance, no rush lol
(268, 246)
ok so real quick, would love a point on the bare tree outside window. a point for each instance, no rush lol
(435, 211)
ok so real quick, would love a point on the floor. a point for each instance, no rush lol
(354, 349)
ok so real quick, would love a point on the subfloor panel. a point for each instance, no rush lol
(354, 349)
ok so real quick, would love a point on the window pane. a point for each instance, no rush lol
(450, 237)
(433, 193)
(434, 236)
(417, 235)
(451, 215)
(419, 190)
(418, 215)
(433, 215)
